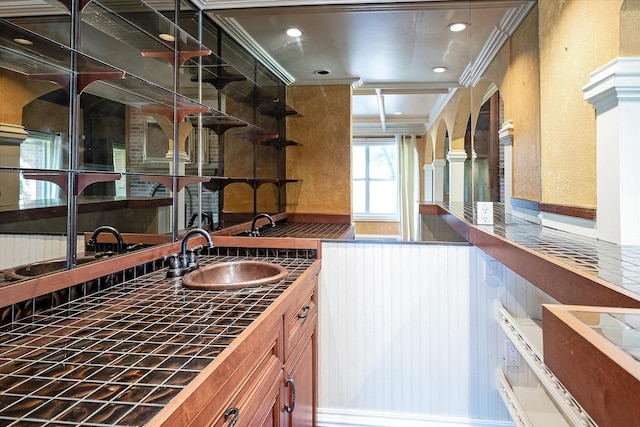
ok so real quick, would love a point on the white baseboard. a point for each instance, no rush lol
(350, 418)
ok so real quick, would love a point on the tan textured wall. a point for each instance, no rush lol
(373, 227)
(576, 38)
(15, 94)
(323, 162)
(522, 105)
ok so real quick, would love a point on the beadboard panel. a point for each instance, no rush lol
(408, 329)
(18, 249)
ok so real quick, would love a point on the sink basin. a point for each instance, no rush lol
(234, 275)
(37, 268)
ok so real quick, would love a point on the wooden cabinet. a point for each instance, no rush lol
(300, 398)
(300, 385)
(266, 377)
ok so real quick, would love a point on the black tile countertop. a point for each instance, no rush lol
(307, 230)
(118, 357)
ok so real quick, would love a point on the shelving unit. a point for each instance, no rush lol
(529, 404)
(539, 409)
(100, 65)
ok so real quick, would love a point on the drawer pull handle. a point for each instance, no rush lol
(291, 408)
(232, 412)
(305, 312)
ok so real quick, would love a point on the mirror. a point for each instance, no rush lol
(100, 164)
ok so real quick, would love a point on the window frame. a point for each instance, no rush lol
(369, 142)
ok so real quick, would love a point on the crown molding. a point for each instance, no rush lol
(500, 34)
(350, 5)
(235, 30)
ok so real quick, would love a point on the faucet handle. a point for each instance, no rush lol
(192, 260)
(175, 268)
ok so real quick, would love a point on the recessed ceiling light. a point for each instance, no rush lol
(398, 113)
(439, 69)
(457, 27)
(294, 32)
(23, 41)
(167, 37)
(322, 72)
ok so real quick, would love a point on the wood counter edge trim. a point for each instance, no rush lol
(562, 282)
(16, 292)
(576, 287)
(599, 342)
(617, 388)
(174, 410)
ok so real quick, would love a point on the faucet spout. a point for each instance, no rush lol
(254, 231)
(108, 229)
(186, 237)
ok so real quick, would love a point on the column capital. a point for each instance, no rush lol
(456, 156)
(439, 163)
(616, 80)
(12, 134)
(505, 134)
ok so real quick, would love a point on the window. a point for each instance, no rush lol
(375, 179)
(40, 151)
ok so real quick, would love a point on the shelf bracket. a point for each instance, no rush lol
(182, 56)
(81, 180)
(167, 181)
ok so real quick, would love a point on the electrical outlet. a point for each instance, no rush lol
(485, 213)
(511, 354)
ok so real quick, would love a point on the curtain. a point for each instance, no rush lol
(409, 188)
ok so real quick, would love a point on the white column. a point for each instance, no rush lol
(428, 183)
(183, 157)
(614, 91)
(456, 160)
(438, 179)
(506, 139)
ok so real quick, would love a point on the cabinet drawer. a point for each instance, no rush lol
(258, 403)
(301, 316)
(238, 377)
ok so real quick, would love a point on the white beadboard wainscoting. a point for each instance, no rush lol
(407, 336)
(18, 249)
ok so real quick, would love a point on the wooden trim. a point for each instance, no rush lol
(567, 210)
(562, 282)
(12, 293)
(585, 361)
(426, 209)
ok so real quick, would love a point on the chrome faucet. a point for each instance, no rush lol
(255, 231)
(206, 218)
(186, 261)
(107, 228)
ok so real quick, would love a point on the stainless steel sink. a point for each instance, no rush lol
(37, 268)
(234, 275)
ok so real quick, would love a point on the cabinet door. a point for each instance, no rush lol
(300, 387)
(259, 402)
